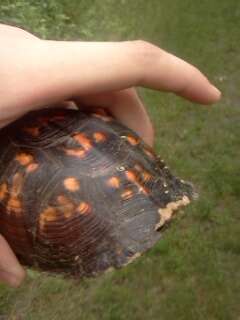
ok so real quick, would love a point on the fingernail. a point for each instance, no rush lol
(217, 93)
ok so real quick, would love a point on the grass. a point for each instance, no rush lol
(193, 272)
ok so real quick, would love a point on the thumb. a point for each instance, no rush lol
(11, 272)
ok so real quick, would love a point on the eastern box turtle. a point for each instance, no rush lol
(80, 193)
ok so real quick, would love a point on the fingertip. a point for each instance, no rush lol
(190, 83)
(212, 95)
(201, 91)
(216, 93)
(16, 279)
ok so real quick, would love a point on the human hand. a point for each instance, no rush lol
(35, 73)
(11, 272)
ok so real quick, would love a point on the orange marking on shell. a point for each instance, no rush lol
(24, 158)
(146, 176)
(131, 176)
(63, 200)
(3, 191)
(71, 184)
(17, 184)
(84, 208)
(99, 137)
(14, 205)
(32, 167)
(67, 206)
(77, 152)
(133, 140)
(68, 213)
(127, 194)
(114, 182)
(82, 139)
(48, 215)
(33, 131)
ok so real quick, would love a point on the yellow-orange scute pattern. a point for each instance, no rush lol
(48, 215)
(84, 208)
(133, 140)
(83, 140)
(113, 182)
(131, 176)
(76, 152)
(24, 158)
(146, 176)
(71, 184)
(14, 204)
(99, 137)
(67, 207)
(27, 161)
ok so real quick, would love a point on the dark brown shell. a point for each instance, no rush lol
(80, 193)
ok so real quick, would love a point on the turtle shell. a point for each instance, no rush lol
(81, 193)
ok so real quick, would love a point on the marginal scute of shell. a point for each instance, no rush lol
(166, 213)
(132, 258)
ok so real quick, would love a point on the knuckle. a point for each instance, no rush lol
(146, 49)
(144, 54)
(142, 47)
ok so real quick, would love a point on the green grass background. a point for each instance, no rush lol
(193, 272)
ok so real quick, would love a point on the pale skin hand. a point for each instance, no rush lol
(35, 73)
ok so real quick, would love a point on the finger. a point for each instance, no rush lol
(97, 67)
(11, 271)
(18, 33)
(181, 78)
(126, 107)
(52, 71)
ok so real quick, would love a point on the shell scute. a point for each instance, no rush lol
(81, 198)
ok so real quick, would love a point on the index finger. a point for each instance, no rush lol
(51, 71)
(98, 67)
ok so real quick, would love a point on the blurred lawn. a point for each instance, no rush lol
(193, 272)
